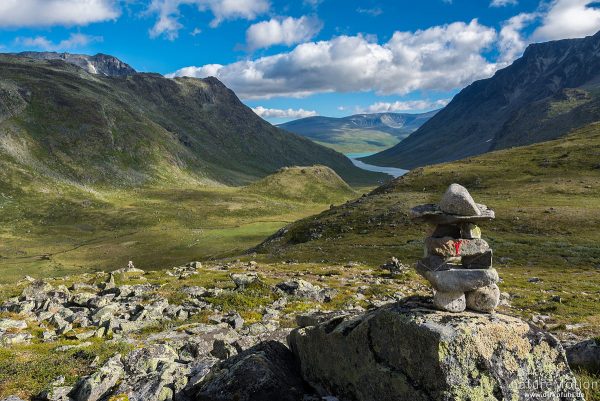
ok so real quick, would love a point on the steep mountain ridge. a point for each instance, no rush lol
(359, 132)
(102, 64)
(58, 119)
(551, 89)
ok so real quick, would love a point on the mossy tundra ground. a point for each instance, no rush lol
(546, 198)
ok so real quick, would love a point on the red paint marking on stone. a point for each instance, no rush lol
(457, 245)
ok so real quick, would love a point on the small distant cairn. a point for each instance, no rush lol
(457, 262)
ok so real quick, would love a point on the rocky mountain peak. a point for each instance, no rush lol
(101, 64)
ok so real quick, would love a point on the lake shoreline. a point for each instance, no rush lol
(394, 172)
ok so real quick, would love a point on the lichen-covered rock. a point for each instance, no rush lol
(304, 289)
(448, 247)
(450, 301)
(37, 290)
(265, 372)
(484, 299)
(100, 383)
(241, 280)
(458, 280)
(457, 200)
(406, 351)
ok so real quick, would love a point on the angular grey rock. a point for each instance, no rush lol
(317, 317)
(394, 266)
(448, 247)
(304, 289)
(484, 299)
(585, 355)
(15, 338)
(457, 200)
(12, 398)
(61, 325)
(432, 213)
(470, 231)
(82, 298)
(481, 261)
(223, 350)
(234, 320)
(406, 351)
(434, 263)
(99, 383)
(241, 280)
(265, 372)
(38, 290)
(450, 301)
(59, 393)
(7, 324)
(147, 359)
(458, 280)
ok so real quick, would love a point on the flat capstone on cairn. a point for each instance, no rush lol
(457, 262)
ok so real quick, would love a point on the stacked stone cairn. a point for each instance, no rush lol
(457, 262)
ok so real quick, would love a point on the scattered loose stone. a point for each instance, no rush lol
(394, 266)
(8, 324)
(304, 289)
(241, 280)
(95, 386)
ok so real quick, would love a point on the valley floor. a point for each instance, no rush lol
(155, 227)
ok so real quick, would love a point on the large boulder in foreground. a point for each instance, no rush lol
(265, 372)
(408, 351)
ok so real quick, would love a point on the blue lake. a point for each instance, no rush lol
(394, 172)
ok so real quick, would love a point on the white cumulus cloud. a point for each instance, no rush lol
(407, 105)
(512, 43)
(287, 31)
(35, 13)
(168, 13)
(568, 19)
(75, 40)
(558, 19)
(503, 3)
(439, 58)
(283, 113)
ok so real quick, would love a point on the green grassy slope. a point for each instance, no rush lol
(55, 229)
(58, 120)
(315, 184)
(547, 201)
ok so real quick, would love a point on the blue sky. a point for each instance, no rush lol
(289, 59)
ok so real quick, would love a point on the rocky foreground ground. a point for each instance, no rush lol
(222, 332)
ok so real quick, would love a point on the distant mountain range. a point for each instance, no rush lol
(553, 88)
(359, 132)
(93, 120)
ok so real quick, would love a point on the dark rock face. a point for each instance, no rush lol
(541, 96)
(407, 351)
(265, 372)
(585, 355)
